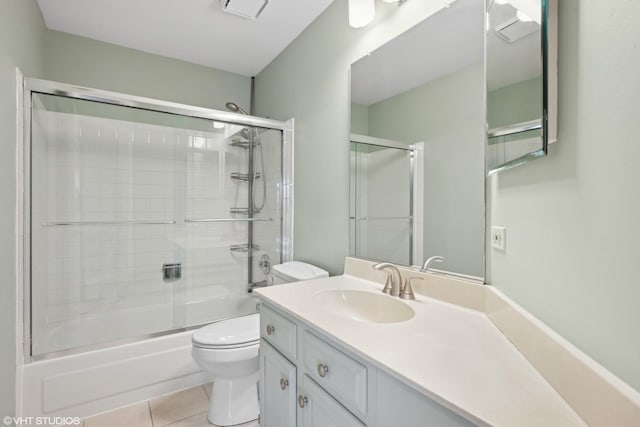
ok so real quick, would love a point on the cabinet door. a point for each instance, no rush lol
(277, 389)
(318, 409)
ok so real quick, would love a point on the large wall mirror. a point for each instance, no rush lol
(521, 81)
(418, 144)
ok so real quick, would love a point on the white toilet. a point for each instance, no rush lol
(228, 350)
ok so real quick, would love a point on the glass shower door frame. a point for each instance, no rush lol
(38, 86)
(415, 154)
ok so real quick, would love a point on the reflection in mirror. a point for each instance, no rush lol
(383, 192)
(517, 75)
(427, 86)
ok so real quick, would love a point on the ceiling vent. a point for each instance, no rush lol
(515, 29)
(249, 9)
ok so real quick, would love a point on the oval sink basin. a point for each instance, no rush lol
(364, 306)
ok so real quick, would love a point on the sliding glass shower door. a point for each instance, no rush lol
(144, 221)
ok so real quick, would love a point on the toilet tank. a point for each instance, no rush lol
(296, 271)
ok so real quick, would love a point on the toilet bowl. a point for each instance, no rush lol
(228, 350)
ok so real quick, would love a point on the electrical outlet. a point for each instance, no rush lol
(499, 238)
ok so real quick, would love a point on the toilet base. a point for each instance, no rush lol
(234, 401)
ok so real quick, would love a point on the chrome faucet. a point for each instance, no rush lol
(394, 289)
(427, 263)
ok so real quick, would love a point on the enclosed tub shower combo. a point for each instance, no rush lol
(143, 220)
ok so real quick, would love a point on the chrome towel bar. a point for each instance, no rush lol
(230, 220)
(147, 222)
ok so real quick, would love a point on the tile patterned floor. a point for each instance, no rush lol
(186, 408)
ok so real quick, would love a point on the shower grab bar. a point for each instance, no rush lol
(230, 220)
(54, 223)
(381, 218)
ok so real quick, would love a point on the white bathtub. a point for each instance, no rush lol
(113, 325)
(90, 382)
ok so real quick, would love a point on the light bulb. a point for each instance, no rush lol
(361, 12)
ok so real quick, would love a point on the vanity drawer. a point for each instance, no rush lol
(279, 331)
(339, 374)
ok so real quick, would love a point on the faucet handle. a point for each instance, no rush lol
(407, 291)
(388, 284)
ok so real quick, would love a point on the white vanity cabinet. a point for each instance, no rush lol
(309, 380)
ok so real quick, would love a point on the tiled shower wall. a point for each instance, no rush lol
(88, 169)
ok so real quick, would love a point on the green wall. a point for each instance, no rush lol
(516, 103)
(21, 45)
(448, 115)
(359, 119)
(87, 62)
(310, 81)
(573, 218)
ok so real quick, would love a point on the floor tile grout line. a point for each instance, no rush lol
(204, 388)
(158, 423)
(185, 418)
(153, 424)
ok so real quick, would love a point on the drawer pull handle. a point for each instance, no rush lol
(284, 383)
(270, 330)
(323, 370)
(302, 401)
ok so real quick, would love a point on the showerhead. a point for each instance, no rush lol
(232, 106)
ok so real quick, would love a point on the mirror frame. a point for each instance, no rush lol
(548, 121)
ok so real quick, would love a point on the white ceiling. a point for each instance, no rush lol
(446, 42)
(196, 31)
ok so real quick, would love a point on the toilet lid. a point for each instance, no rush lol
(229, 333)
(294, 271)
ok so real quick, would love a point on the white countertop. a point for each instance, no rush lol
(453, 355)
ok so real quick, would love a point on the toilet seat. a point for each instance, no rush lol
(233, 333)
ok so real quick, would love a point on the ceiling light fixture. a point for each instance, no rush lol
(248, 9)
(361, 12)
(527, 10)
